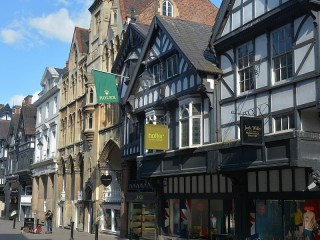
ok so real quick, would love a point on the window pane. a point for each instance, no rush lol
(196, 131)
(196, 109)
(291, 121)
(185, 133)
(285, 122)
(277, 122)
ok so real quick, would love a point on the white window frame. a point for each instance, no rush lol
(167, 8)
(172, 65)
(245, 63)
(285, 121)
(282, 58)
(187, 105)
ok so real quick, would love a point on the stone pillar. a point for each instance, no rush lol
(50, 197)
(77, 182)
(40, 214)
(123, 210)
(68, 184)
(35, 195)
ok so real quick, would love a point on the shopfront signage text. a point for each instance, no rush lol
(251, 130)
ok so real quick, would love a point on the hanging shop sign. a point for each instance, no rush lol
(106, 180)
(156, 137)
(251, 129)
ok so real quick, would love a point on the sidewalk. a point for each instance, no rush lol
(6, 229)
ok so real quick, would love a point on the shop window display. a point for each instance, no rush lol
(285, 219)
(198, 218)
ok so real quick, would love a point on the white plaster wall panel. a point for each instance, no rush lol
(261, 50)
(310, 120)
(173, 89)
(226, 113)
(226, 29)
(262, 76)
(236, 20)
(282, 98)
(140, 102)
(167, 91)
(228, 133)
(306, 92)
(136, 103)
(245, 105)
(259, 7)
(307, 30)
(224, 92)
(262, 101)
(181, 64)
(226, 65)
(185, 84)
(179, 89)
(237, 3)
(272, 4)
(192, 84)
(306, 65)
(247, 13)
(145, 100)
(155, 95)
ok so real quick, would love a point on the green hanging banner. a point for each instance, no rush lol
(106, 88)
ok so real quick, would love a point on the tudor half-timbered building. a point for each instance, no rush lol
(269, 54)
(171, 91)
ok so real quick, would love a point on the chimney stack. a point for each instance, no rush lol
(27, 100)
(16, 109)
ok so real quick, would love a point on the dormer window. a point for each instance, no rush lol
(167, 8)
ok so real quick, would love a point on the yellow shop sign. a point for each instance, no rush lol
(156, 137)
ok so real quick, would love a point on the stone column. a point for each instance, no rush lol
(40, 214)
(35, 194)
(50, 197)
(77, 182)
(68, 185)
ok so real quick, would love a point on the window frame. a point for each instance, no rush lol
(172, 66)
(187, 139)
(282, 54)
(287, 118)
(245, 64)
(167, 8)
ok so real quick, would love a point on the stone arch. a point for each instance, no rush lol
(111, 154)
(88, 191)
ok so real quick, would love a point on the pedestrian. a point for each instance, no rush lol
(49, 216)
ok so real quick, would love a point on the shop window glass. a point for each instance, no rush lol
(198, 218)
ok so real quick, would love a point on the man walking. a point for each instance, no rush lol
(49, 216)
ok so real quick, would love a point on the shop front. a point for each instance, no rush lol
(142, 215)
(197, 207)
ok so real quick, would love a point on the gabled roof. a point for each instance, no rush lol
(135, 31)
(82, 39)
(13, 125)
(190, 39)
(4, 129)
(28, 116)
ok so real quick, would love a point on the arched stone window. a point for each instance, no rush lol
(167, 8)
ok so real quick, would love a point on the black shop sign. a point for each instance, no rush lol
(252, 132)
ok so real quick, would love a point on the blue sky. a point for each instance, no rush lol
(35, 34)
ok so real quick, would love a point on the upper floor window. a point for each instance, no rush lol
(171, 65)
(282, 53)
(246, 67)
(47, 110)
(91, 95)
(190, 117)
(167, 8)
(284, 122)
(55, 104)
(39, 115)
(96, 23)
(156, 71)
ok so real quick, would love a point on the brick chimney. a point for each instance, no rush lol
(27, 100)
(16, 109)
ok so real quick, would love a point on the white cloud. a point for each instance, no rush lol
(10, 36)
(55, 25)
(16, 100)
(35, 96)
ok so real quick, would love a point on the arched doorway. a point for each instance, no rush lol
(88, 208)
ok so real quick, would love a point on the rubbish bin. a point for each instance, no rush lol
(29, 223)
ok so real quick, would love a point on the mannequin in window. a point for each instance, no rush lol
(213, 225)
(309, 222)
(298, 220)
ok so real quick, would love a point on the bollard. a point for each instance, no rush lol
(96, 236)
(14, 223)
(71, 233)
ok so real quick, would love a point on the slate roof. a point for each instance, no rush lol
(4, 129)
(192, 38)
(61, 71)
(82, 39)
(126, 7)
(28, 115)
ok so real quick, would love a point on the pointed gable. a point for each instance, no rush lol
(28, 119)
(189, 39)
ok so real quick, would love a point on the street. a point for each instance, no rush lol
(7, 232)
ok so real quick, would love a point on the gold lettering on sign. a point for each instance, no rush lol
(252, 131)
